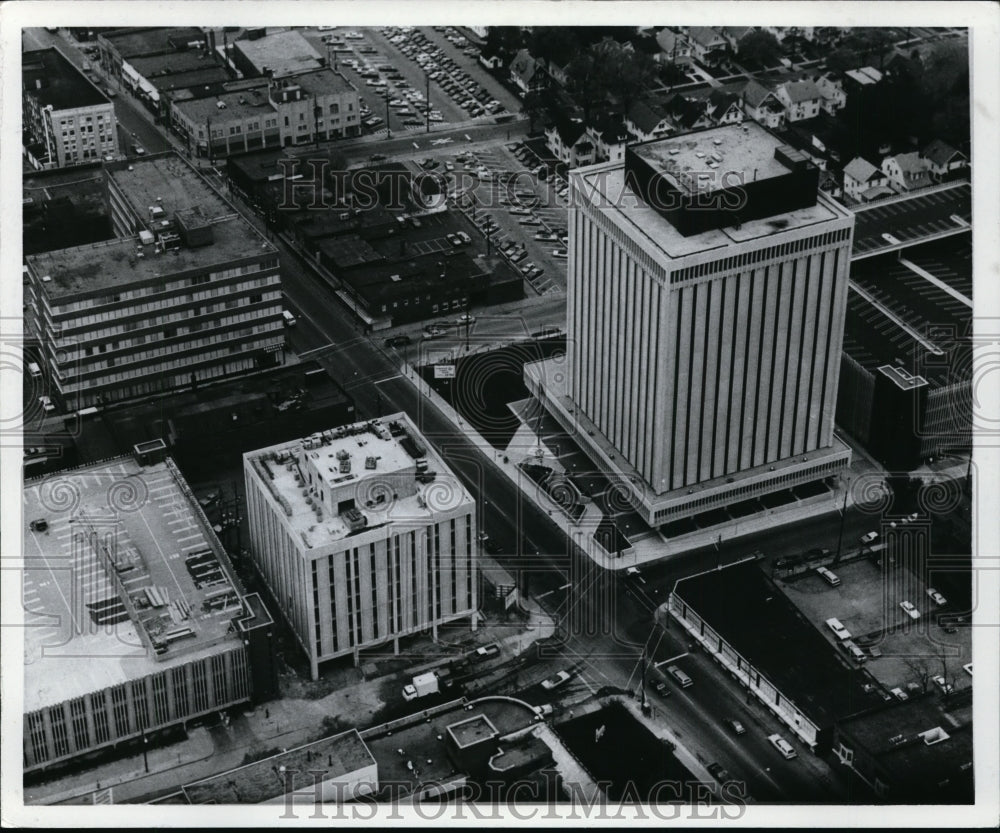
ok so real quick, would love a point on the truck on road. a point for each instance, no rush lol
(422, 685)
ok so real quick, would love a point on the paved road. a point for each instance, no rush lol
(603, 621)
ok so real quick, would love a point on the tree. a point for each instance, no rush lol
(587, 81)
(558, 44)
(920, 669)
(629, 73)
(843, 59)
(759, 47)
(504, 40)
(535, 106)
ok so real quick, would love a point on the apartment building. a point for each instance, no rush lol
(363, 534)
(187, 292)
(67, 120)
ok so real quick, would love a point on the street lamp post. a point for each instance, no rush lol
(388, 130)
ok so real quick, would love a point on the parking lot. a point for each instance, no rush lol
(524, 216)
(912, 219)
(409, 77)
(867, 603)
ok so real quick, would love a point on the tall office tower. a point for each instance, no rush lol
(363, 536)
(706, 301)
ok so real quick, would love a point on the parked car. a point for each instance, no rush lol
(869, 537)
(717, 771)
(398, 341)
(783, 746)
(46, 404)
(455, 240)
(463, 237)
(559, 679)
(936, 597)
(910, 609)
(682, 679)
(660, 688)
(828, 576)
(899, 694)
(941, 683)
(465, 318)
(735, 726)
(838, 629)
(562, 254)
(487, 651)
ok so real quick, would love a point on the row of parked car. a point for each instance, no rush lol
(461, 87)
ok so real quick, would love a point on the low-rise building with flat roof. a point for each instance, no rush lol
(364, 533)
(188, 291)
(916, 752)
(744, 622)
(134, 619)
(67, 120)
(276, 55)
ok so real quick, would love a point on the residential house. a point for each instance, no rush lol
(907, 171)
(609, 137)
(490, 61)
(762, 105)
(831, 88)
(558, 73)
(943, 158)
(646, 120)
(706, 43)
(802, 99)
(569, 142)
(675, 48)
(687, 114)
(724, 108)
(733, 35)
(527, 73)
(863, 181)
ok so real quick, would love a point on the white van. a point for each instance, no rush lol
(290, 320)
(838, 629)
(34, 370)
(856, 653)
(828, 576)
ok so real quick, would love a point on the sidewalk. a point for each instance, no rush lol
(295, 719)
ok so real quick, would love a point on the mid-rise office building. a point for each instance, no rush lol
(134, 619)
(705, 315)
(188, 292)
(67, 119)
(363, 535)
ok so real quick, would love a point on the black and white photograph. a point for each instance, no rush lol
(570, 413)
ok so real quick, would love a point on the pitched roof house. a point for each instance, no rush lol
(762, 105)
(943, 158)
(648, 121)
(675, 48)
(861, 178)
(569, 142)
(724, 108)
(527, 73)
(907, 171)
(801, 99)
(705, 40)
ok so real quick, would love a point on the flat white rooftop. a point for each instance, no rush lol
(381, 478)
(695, 162)
(603, 186)
(115, 531)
